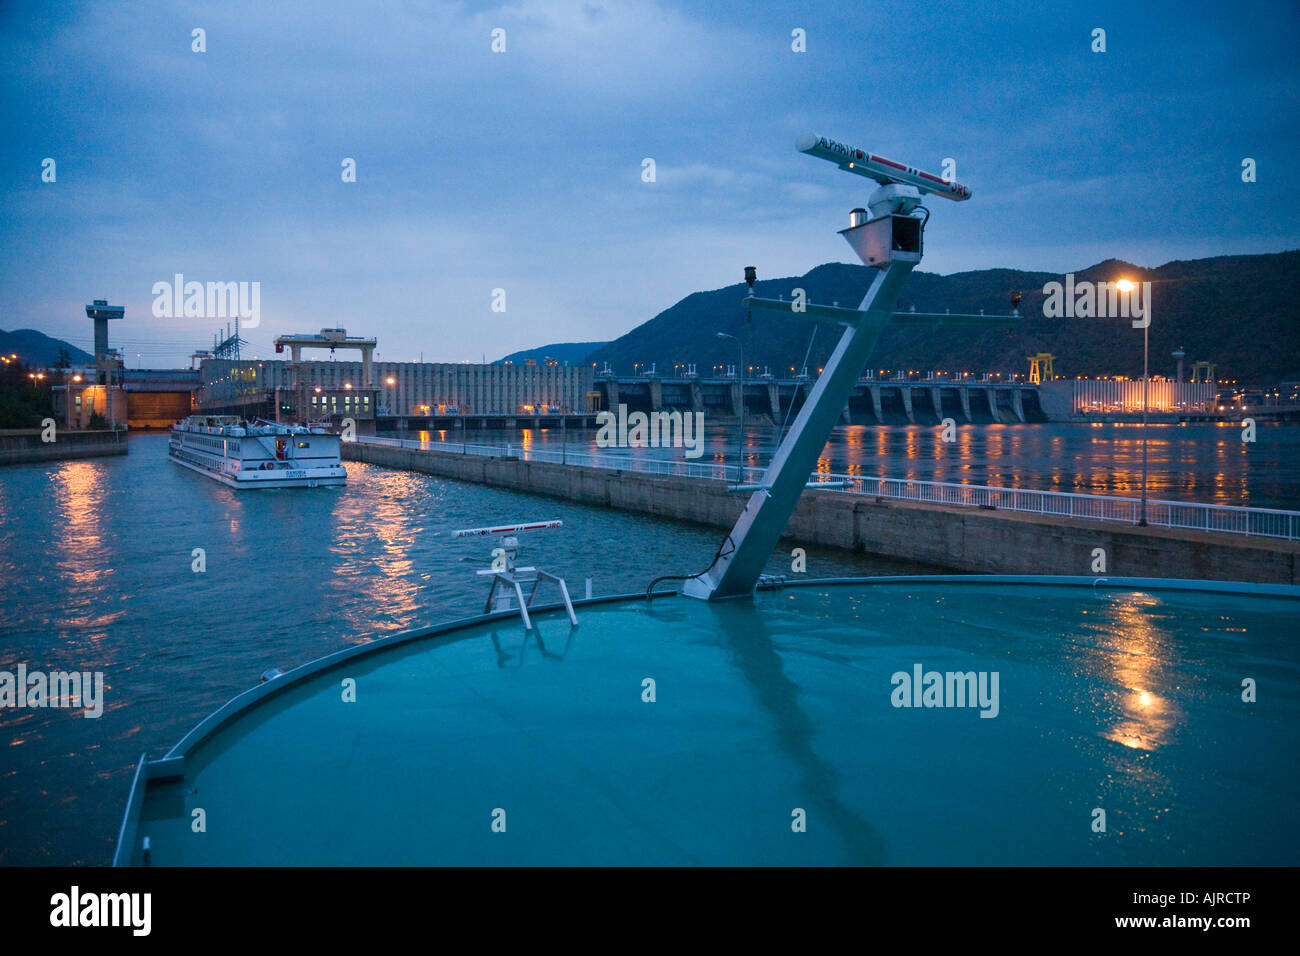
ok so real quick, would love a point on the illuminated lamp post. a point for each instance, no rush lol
(1127, 286)
(740, 442)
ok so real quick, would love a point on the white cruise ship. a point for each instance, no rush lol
(257, 454)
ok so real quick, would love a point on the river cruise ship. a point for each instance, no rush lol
(257, 454)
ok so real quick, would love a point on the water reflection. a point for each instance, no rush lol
(1191, 461)
(1137, 661)
(508, 656)
(96, 561)
(82, 555)
(746, 634)
(376, 551)
(80, 541)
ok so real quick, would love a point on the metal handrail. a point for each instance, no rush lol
(1196, 516)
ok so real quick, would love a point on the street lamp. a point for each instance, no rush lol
(740, 444)
(1126, 286)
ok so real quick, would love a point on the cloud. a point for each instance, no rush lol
(523, 169)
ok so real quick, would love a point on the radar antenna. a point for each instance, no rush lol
(508, 579)
(888, 239)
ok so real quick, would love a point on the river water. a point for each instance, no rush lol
(97, 572)
(1185, 462)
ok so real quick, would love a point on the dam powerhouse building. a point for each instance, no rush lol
(441, 394)
(315, 391)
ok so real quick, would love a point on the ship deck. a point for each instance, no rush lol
(1119, 695)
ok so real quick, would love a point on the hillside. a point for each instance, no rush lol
(566, 353)
(1240, 312)
(39, 350)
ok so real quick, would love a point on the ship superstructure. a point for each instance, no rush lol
(257, 454)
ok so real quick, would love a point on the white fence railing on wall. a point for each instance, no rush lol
(1229, 519)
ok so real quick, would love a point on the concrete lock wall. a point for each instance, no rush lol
(22, 446)
(962, 539)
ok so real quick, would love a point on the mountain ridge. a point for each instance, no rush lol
(38, 350)
(1254, 297)
(566, 353)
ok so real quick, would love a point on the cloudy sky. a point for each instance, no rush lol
(522, 170)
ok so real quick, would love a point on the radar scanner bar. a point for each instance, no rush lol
(507, 529)
(884, 171)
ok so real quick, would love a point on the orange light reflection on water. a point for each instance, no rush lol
(84, 557)
(1138, 656)
(388, 577)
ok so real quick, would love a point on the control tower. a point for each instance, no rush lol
(100, 312)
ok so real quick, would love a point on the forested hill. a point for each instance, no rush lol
(1240, 312)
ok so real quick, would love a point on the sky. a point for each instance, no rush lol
(523, 170)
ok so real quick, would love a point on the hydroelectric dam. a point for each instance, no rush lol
(872, 401)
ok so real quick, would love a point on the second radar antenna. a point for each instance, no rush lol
(508, 579)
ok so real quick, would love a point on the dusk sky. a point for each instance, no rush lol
(522, 170)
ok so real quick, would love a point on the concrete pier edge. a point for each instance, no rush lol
(958, 538)
(21, 447)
